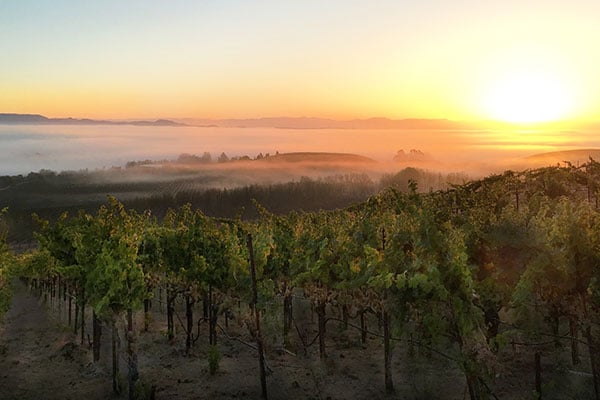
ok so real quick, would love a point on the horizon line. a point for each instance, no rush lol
(307, 117)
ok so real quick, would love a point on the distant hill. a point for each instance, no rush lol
(158, 122)
(575, 157)
(280, 122)
(325, 123)
(336, 158)
(36, 119)
(23, 119)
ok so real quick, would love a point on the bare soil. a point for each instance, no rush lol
(41, 358)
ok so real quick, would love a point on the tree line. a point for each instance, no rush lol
(49, 194)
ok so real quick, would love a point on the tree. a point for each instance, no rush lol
(206, 157)
(223, 158)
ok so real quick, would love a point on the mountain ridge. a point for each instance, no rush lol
(328, 123)
(264, 122)
(38, 119)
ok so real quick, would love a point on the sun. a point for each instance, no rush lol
(528, 96)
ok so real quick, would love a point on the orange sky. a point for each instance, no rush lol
(457, 59)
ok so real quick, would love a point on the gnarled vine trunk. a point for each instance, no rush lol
(594, 354)
(287, 313)
(363, 327)
(189, 314)
(259, 340)
(574, 341)
(320, 309)
(82, 315)
(115, 356)
(132, 366)
(170, 311)
(146, 314)
(97, 336)
(389, 384)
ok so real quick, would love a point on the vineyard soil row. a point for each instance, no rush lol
(40, 356)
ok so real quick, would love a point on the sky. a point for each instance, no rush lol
(456, 59)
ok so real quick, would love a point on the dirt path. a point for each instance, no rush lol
(40, 359)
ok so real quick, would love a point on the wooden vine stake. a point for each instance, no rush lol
(259, 342)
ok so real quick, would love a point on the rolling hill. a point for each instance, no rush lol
(318, 157)
(574, 157)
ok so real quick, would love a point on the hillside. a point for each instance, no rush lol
(319, 158)
(574, 157)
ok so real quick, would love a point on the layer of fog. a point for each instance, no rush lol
(31, 148)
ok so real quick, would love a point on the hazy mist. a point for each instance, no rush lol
(26, 148)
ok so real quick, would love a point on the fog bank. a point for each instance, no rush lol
(26, 148)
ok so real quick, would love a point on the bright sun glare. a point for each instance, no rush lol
(528, 97)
